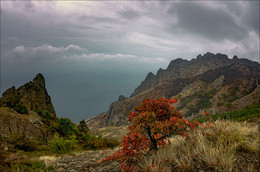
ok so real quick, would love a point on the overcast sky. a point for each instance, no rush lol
(92, 52)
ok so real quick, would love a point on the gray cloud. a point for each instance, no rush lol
(70, 53)
(163, 29)
(44, 52)
(251, 16)
(129, 14)
(214, 24)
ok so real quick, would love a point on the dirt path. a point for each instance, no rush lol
(87, 161)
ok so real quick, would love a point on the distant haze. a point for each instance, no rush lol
(91, 52)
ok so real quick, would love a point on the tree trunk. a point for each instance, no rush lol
(152, 139)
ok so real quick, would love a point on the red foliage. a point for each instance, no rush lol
(152, 123)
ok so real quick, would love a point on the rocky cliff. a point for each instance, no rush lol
(20, 109)
(212, 83)
(33, 95)
(180, 68)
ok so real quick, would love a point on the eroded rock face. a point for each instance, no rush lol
(32, 94)
(180, 68)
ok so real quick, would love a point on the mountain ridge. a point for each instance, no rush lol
(183, 78)
(198, 66)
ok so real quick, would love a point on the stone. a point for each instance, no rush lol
(218, 82)
(121, 98)
(33, 95)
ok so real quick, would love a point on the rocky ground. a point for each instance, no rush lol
(87, 161)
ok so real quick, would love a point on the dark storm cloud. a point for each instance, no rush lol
(251, 16)
(214, 24)
(151, 29)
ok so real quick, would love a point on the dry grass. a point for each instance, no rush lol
(48, 160)
(214, 146)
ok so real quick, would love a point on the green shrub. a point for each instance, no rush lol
(66, 127)
(95, 144)
(60, 145)
(83, 127)
(15, 104)
(20, 108)
(111, 143)
(45, 115)
(229, 105)
(26, 145)
(100, 143)
(22, 142)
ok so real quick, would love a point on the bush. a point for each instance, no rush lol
(83, 127)
(45, 115)
(101, 143)
(15, 104)
(111, 143)
(66, 128)
(20, 108)
(95, 144)
(23, 143)
(61, 146)
(26, 145)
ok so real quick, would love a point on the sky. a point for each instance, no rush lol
(90, 52)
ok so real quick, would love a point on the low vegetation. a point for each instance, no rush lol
(58, 136)
(17, 105)
(215, 146)
(248, 113)
(159, 139)
(26, 165)
(203, 100)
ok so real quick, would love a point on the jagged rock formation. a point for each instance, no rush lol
(18, 109)
(212, 83)
(180, 68)
(33, 95)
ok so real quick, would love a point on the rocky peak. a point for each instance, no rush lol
(177, 62)
(121, 98)
(150, 76)
(179, 68)
(235, 57)
(39, 80)
(33, 95)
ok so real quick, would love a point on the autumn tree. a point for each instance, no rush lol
(152, 123)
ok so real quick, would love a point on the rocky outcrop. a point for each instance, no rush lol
(121, 98)
(208, 83)
(11, 122)
(33, 95)
(180, 68)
